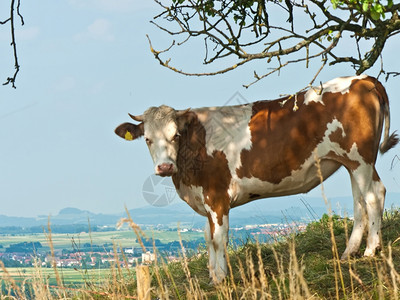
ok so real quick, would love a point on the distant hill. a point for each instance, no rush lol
(273, 210)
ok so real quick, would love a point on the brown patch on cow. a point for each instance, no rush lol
(253, 196)
(212, 226)
(197, 168)
(337, 135)
(351, 165)
(282, 139)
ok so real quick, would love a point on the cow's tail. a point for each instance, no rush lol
(389, 141)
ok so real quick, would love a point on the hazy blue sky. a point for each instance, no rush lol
(84, 66)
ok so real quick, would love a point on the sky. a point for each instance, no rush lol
(84, 66)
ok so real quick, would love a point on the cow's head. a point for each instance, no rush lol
(160, 127)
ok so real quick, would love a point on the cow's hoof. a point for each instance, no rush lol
(347, 255)
(370, 252)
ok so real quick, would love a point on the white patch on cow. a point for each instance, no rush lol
(193, 195)
(227, 130)
(170, 130)
(337, 85)
(162, 151)
(234, 189)
(354, 155)
(332, 127)
(160, 127)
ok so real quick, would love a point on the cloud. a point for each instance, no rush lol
(99, 30)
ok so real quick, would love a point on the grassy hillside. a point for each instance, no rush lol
(304, 266)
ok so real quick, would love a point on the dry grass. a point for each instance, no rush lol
(304, 266)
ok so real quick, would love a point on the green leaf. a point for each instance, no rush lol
(365, 6)
(378, 8)
(377, 11)
(375, 15)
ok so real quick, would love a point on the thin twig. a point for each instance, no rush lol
(11, 20)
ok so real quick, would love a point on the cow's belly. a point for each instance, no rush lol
(245, 189)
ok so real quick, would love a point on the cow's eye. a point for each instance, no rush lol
(176, 137)
(148, 141)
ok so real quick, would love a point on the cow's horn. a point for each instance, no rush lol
(180, 113)
(136, 118)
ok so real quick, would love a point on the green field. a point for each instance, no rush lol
(68, 276)
(78, 276)
(124, 238)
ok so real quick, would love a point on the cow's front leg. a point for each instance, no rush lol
(210, 249)
(217, 229)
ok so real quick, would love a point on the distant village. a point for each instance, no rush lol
(88, 255)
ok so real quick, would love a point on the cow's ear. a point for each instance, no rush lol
(184, 118)
(129, 131)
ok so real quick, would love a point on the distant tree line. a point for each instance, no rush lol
(171, 246)
(87, 247)
(24, 247)
(73, 228)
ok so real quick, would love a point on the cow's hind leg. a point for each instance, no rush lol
(373, 193)
(375, 200)
(360, 221)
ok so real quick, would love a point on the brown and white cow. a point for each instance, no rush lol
(223, 157)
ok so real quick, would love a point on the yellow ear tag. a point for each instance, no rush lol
(128, 136)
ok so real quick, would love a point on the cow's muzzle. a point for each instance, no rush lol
(165, 169)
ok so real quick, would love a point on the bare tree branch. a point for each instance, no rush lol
(11, 21)
(244, 31)
(166, 63)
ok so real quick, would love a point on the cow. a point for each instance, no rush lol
(223, 157)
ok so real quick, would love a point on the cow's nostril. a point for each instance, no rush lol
(165, 169)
